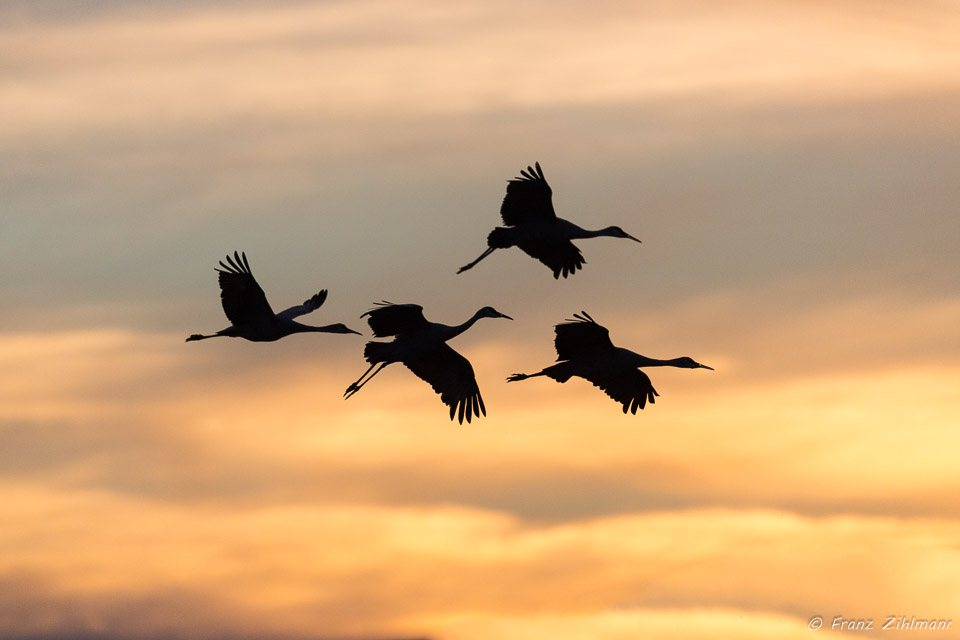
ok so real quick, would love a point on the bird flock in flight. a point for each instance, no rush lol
(530, 223)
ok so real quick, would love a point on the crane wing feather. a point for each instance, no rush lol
(561, 256)
(529, 199)
(450, 375)
(581, 337)
(244, 302)
(630, 387)
(308, 306)
(390, 319)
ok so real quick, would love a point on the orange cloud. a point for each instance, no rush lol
(812, 429)
(361, 58)
(139, 475)
(451, 571)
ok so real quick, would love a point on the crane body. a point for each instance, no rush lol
(245, 305)
(532, 225)
(584, 350)
(422, 347)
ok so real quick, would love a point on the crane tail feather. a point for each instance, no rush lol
(499, 238)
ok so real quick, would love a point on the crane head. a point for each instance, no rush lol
(490, 312)
(690, 363)
(340, 328)
(617, 232)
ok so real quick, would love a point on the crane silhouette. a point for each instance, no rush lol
(533, 226)
(421, 345)
(584, 349)
(246, 307)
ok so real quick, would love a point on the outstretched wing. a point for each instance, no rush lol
(529, 199)
(561, 256)
(630, 387)
(308, 306)
(581, 337)
(450, 375)
(390, 319)
(242, 298)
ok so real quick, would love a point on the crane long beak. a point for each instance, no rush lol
(703, 366)
(339, 328)
(503, 315)
(634, 239)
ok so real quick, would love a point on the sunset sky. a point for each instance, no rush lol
(791, 168)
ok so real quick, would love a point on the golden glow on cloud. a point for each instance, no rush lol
(74, 374)
(150, 488)
(625, 624)
(365, 58)
(455, 571)
(734, 503)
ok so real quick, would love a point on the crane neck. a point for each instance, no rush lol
(296, 327)
(292, 326)
(451, 332)
(644, 361)
(573, 231)
(581, 233)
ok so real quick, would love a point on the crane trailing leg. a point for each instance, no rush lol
(499, 238)
(230, 332)
(354, 387)
(472, 264)
(559, 372)
(376, 353)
